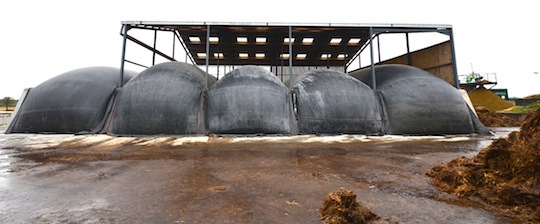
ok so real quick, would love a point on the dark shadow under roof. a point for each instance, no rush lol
(267, 44)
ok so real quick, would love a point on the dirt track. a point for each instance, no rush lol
(96, 179)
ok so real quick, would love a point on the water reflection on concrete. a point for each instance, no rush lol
(225, 179)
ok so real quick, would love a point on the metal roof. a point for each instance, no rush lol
(314, 44)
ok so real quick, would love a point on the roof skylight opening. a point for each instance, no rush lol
(284, 56)
(286, 40)
(308, 40)
(326, 56)
(218, 55)
(194, 39)
(201, 55)
(214, 39)
(243, 55)
(354, 40)
(242, 40)
(260, 40)
(301, 56)
(335, 40)
(260, 55)
(341, 56)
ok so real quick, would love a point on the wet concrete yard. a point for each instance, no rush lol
(103, 179)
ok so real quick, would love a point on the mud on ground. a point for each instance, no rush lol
(493, 119)
(505, 176)
(200, 179)
(341, 207)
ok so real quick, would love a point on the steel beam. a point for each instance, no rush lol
(135, 63)
(149, 47)
(357, 54)
(185, 47)
(407, 30)
(362, 25)
(147, 27)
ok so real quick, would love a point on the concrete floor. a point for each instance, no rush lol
(103, 179)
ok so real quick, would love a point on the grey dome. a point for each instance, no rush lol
(166, 98)
(73, 102)
(248, 100)
(332, 102)
(417, 102)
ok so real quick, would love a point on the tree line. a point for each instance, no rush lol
(7, 103)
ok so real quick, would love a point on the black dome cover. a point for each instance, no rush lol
(332, 102)
(73, 102)
(417, 102)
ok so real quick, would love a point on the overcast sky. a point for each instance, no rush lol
(42, 39)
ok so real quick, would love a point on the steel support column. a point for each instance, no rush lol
(207, 53)
(345, 59)
(154, 55)
(121, 81)
(379, 47)
(454, 64)
(373, 81)
(290, 57)
(281, 68)
(357, 54)
(217, 65)
(409, 59)
(173, 45)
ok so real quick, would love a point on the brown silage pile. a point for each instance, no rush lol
(505, 176)
(532, 97)
(493, 119)
(342, 207)
(485, 98)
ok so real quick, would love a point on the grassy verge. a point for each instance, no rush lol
(526, 109)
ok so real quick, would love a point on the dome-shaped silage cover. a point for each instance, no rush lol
(331, 102)
(417, 102)
(166, 99)
(73, 102)
(248, 100)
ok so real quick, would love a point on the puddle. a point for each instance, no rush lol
(226, 179)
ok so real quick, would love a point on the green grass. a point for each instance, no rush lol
(526, 109)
